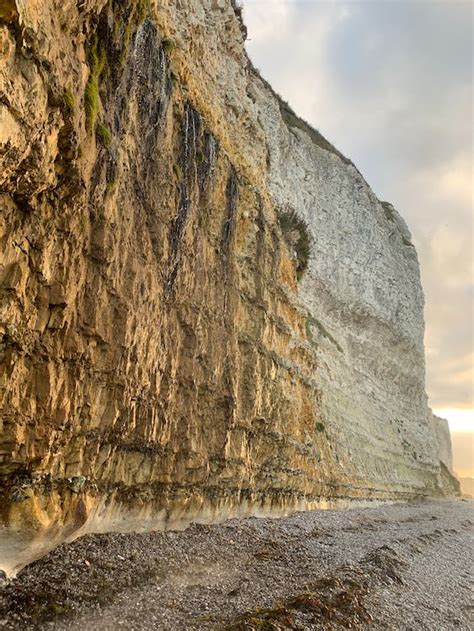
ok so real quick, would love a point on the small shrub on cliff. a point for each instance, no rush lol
(238, 10)
(297, 237)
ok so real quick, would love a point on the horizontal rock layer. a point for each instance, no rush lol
(161, 363)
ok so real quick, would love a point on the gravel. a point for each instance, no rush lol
(402, 566)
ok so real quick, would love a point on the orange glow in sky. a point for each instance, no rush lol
(461, 424)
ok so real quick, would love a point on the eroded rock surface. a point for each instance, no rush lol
(161, 363)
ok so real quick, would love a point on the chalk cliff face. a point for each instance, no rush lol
(161, 360)
(443, 440)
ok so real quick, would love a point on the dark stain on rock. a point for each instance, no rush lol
(186, 171)
(228, 229)
(207, 159)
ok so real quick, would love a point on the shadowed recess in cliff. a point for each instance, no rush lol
(194, 171)
(228, 229)
(152, 83)
(261, 249)
(137, 79)
(207, 159)
(186, 173)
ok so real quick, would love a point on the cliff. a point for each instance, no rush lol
(206, 311)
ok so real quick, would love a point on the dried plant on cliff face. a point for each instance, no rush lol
(238, 10)
(237, 6)
(297, 237)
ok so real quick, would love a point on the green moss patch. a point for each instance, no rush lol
(97, 61)
(103, 133)
(177, 172)
(69, 101)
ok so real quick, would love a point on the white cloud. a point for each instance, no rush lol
(459, 420)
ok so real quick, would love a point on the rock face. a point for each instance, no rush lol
(443, 441)
(161, 361)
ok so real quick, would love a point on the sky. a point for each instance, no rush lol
(389, 83)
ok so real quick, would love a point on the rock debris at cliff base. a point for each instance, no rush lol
(405, 566)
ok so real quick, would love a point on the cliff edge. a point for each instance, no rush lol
(206, 311)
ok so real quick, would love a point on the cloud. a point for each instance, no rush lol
(390, 83)
(459, 420)
(262, 27)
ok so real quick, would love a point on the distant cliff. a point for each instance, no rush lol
(206, 311)
(467, 487)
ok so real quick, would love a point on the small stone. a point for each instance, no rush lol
(18, 496)
(76, 483)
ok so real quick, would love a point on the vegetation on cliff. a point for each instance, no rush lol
(297, 236)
